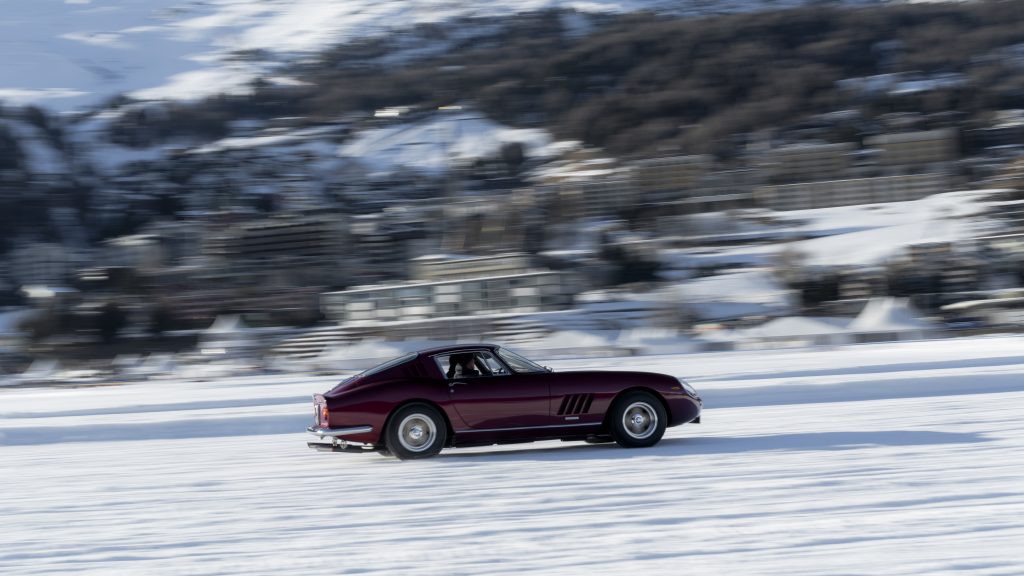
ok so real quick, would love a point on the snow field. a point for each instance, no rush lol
(879, 459)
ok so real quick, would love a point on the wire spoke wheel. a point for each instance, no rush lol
(638, 419)
(416, 431)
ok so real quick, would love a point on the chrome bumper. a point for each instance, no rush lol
(338, 432)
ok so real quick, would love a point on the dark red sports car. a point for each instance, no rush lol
(472, 395)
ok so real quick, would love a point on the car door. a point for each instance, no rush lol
(497, 398)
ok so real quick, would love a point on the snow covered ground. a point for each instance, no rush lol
(880, 232)
(875, 459)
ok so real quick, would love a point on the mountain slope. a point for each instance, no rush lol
(80, 52)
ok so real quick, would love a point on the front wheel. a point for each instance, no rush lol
(416, 431)
(638, 420)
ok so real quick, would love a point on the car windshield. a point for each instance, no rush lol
(518, 363)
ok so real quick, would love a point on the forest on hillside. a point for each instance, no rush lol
(641, 83)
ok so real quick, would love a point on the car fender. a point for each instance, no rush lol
(445, 409)
(373, 403)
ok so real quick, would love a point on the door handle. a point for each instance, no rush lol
(454, 384)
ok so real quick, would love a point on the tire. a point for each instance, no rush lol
(416, 431)
(638, 420)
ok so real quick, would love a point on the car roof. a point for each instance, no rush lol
(456, 348)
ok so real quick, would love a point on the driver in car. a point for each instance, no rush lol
(461, 365)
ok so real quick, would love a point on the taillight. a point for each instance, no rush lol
(323, 415)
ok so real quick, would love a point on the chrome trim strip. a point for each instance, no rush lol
(529, 427)
(335, 432)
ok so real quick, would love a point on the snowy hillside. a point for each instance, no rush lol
(434, 144)
(79, 52)
(873, 459)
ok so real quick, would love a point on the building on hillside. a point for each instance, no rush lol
(672, 177)
(43, 264)
(587, 186)
(312, 236)
(380, 247)
(888, 319)
(439, 267)
(996, 311)
(794, 332)
(929, 253)
(496, 223)
(228, 334)
(824, 194)
(717, 192)
(806, 162)
(880, 320)
(309, 245)
(142, 252)
(178, 239)
(862, 283)
(193, 294)
(915, 152)
(597, 195)
(524, 292)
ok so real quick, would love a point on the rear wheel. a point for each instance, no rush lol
(638, 420)
(416, 431)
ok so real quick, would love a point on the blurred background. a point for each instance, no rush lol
(224, 187)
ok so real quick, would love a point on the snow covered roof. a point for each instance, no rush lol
(655, 341)
(799, 326)
(227, 324)
(362, 350)
(39, 291)
(888, 315)
(567, 339)
(732, 295)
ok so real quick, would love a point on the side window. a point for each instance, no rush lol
(459, 365)
(493, 366)
(469, 365)
(520, 364)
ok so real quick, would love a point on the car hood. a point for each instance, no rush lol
(646, 376)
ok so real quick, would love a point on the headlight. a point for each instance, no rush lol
(686, 386)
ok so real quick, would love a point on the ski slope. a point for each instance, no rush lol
(871, 459)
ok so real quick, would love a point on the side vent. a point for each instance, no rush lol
(575, 404)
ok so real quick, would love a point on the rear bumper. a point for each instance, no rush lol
(339, 432)
(340, 447)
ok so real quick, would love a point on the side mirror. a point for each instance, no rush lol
(549, 369)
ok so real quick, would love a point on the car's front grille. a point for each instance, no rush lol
(575, 404)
